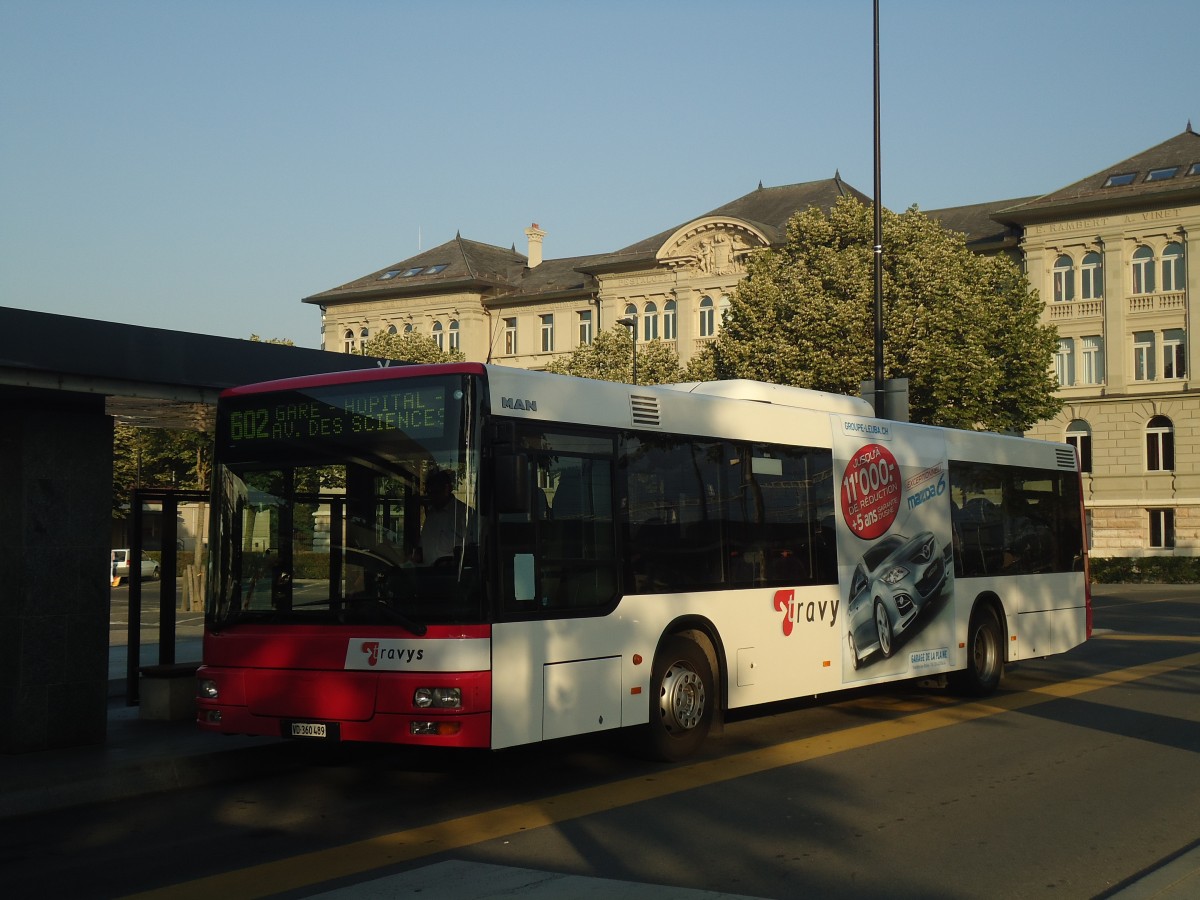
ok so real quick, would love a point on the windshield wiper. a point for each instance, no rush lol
(417, 628)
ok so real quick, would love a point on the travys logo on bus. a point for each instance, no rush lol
(375, 652)
(810, 611)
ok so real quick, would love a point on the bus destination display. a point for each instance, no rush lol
(414, 412)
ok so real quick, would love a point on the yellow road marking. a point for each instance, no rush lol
(355, 858)
(1157, 638)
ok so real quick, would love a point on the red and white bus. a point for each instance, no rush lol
(465, 555)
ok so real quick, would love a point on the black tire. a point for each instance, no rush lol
(985, 656)
(682, 697)
(883, 627)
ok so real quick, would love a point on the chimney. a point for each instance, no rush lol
(535, 236)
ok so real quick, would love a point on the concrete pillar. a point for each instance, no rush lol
(55, 521)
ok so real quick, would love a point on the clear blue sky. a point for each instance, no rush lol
(203, 166)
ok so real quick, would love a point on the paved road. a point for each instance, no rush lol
(1077, 780)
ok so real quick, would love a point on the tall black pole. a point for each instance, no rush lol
(631, 323)
(880, 395)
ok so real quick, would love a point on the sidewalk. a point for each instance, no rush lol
(137, 758)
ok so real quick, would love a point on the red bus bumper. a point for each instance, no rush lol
(375, 707)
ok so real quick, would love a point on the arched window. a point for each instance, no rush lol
(723, 310)
(1143, 270)
(454, 335)
(650, 322)
(408, 328)
(1160, 445)
(1064, 279)
(392, 329)
(707, 318)
(1172, 267)
(1079, 436)
(348, 341)
(1091, 275)
(631, 310)
(439, 336)
(669, 321)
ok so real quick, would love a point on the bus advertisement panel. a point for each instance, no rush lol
(895, 549)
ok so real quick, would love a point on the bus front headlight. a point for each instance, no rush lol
(438, 698)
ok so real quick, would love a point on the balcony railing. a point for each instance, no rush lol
(1149, 303)
(1077, 309)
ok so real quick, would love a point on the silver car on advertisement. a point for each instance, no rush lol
(896, 579)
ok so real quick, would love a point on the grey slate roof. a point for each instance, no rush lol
(467, 263)
(503, 272)
(1182, 151)
(767, 208)
(989, 227)
(976, 221)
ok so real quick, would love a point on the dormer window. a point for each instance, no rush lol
(1120, 180)
(1162, 174)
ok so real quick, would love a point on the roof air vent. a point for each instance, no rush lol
(644, 411)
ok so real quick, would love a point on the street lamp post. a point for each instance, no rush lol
(630, 322)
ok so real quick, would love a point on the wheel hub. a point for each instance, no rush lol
(682, 699)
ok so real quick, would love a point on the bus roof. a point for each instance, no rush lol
(778, 394)
(354, 376)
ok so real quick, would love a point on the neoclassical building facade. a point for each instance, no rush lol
(1108, 254)
(1111, 257)
(505, 307)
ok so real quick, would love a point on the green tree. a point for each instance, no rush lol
(609, 357)
(410, 347)
(964, 329)
(158, 458)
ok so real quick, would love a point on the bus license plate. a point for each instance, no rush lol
(309, 730)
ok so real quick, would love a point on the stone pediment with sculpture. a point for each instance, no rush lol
(711, 247)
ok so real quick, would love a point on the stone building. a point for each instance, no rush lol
(524, 310)
(1109, 255)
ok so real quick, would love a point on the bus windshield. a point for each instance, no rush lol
(348, 503)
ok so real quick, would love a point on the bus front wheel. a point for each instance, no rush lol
(985, 656)
(681, 700)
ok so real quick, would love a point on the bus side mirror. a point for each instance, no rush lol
(512, 483)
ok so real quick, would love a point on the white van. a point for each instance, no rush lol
(119, 566)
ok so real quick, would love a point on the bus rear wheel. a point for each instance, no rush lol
(985, 656)
(681, 700)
